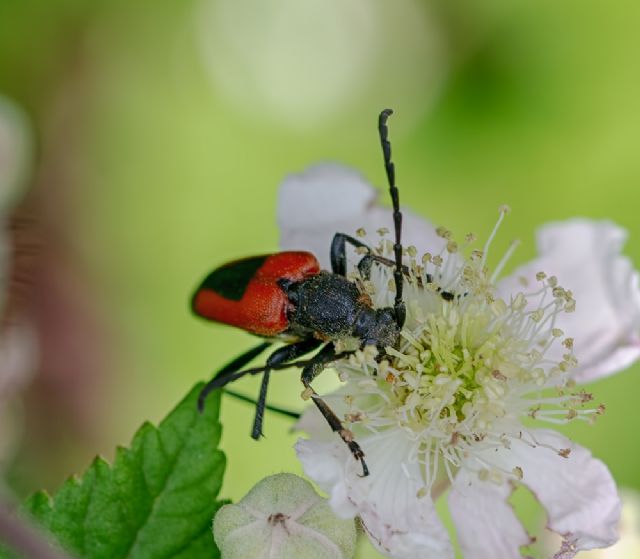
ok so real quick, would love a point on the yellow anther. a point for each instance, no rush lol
(443, 232)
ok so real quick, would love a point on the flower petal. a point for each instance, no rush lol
(485, 522)
(314, 425)
(329, 198)
(578, 492)
(585, 257)
(399, 524)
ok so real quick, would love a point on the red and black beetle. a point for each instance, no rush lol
(287, 297)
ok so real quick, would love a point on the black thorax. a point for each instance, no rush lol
(331, 306)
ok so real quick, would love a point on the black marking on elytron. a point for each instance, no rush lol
(231, 280)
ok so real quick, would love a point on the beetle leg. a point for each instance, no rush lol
(364, 266)
(339, 257)
(231, 372)
(339, 262)
(276, 409)
(280, 356)
(256, 430)
(227, 379)
(229, 369)
(311, 371)
(339, 252)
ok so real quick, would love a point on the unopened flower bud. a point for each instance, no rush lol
(282, 516)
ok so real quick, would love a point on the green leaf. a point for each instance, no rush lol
(157, 500)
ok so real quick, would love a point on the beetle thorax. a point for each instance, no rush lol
(332, 307)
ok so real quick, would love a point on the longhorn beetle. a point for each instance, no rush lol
(287, 296)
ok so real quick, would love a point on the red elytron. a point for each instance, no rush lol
(246, 293)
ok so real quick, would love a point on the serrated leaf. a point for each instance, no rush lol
(156, 501)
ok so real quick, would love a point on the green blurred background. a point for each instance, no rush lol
(163, 129)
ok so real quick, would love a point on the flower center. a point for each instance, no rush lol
(470, 365)
(452, 370)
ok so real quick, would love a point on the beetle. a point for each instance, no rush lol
(287, 297)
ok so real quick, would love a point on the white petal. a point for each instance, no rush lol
(585, 257)
(627, 547)
(327, 464)
(578, 492)
(329, 198)
(485, 522)
(399, 524)
(322, 194)
(314, 425)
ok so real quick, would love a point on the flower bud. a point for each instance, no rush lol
(284, 515)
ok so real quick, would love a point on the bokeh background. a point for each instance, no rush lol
(161, 130)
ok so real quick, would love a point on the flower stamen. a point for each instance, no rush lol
(467, 368)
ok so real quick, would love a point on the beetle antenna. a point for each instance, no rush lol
(383, 130)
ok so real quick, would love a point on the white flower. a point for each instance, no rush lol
(476, 357)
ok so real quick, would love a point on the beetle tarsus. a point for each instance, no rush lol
(358, 454)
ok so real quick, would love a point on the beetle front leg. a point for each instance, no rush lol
(339, 263)
(281, 358)
(339, 257)
(311, 371)
(339, 252)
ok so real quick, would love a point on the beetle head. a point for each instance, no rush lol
(378, 327)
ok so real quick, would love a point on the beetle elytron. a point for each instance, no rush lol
(287, 296)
